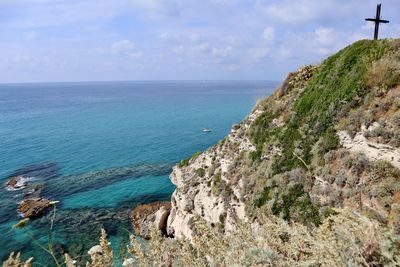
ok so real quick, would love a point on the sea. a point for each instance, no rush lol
(100, 149)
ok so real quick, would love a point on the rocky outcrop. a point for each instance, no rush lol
(374, 151)
(34, 207)
(207, 186)
(147, 216)
(16, 183)
(30, 182)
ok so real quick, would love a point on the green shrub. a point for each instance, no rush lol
(383, 169)
(200, 172)
(395, 141)
(396, 119)
(185, 162)
(263, 197)
(255, 156)
(295, 204)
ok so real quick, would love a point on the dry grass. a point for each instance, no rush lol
(344, 239)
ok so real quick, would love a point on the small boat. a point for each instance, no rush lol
(206, 130)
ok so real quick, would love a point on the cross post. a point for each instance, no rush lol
(377, 21)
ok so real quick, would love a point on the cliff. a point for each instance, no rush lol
(328, 137)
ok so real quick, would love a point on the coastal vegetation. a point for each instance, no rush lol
(185, 162)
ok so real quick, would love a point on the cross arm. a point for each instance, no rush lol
(378, 20)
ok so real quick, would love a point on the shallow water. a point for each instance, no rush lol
(102, 148)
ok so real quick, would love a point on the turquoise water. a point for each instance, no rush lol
(102, 148)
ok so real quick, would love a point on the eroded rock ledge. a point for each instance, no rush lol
(146, 216)
(374, 151)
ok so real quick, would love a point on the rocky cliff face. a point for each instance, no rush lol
(205, 187)
(328, 137)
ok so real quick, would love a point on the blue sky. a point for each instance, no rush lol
(95, 40)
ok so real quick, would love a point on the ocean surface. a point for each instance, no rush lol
(101, 148)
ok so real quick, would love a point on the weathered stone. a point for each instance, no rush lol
(146, 216)
(34, 207)
(212, 196)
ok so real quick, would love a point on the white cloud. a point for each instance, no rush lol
(137, 54)
(325, 36)
(222, 52)
(122, 47)
(268, 34)
(202, 47)
(305, 11)
(125, 48)
(196, 36)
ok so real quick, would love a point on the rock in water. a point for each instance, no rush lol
(35, 207)
(16, 182)
(146, 216)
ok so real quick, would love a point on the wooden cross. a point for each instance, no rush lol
(377, 21)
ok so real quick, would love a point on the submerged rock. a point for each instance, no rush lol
(71, 184)
(34, 207)
(80, 228)
(42, 171)
(146, 216)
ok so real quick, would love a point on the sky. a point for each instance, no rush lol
(107, 40)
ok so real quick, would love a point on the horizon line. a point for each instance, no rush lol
(128, 81)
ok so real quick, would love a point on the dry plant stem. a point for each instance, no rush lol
(50, 243)
(302, 161)
(49, 250)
